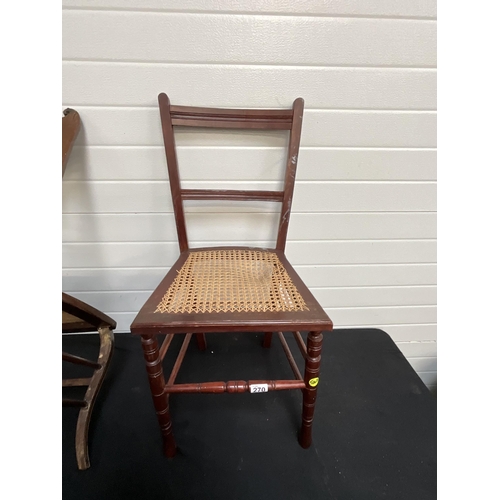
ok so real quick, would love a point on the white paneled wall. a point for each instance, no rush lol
(363, 229)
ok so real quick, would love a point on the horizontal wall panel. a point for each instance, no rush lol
(406, 333)
(123, 279)
(375, 296)
(161, 227)
(423, 364)
(277, 40)
(94, 197)
(141, 127)
(97, 84)
(247, 226)
(235, 164)
(164, 254)
(403, 8)
(416, 349)
(126, 301)
(367, 316)
(84, 280)
(368, 275)
(428, 378)
(129, 301)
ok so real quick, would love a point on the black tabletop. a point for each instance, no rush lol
(374, 432)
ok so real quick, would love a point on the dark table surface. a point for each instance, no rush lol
(374, 433)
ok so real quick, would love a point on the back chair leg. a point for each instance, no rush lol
(267, 339)
(311, 378)
(201, 340)
(160, 398)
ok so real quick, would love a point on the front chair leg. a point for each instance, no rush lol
(160, 398)
(311, 378)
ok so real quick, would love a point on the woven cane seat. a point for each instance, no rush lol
(231, 281)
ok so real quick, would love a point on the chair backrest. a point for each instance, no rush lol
(70, 128)
(267, 119)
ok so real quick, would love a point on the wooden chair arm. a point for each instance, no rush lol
(86, 313)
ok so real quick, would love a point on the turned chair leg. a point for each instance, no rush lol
(311, 378)
(160, 398)
(201, 341)
(267, 339)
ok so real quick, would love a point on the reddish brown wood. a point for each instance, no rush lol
(76, 382)
(85, 312)
(301, 344)
(268, 337)
(165, 345)
(233, 386)
(82, 425)
(227, 194)
(148, 323)
(173, 170)
(216, 122)
(289, 356)
(180, 357)
(247, 114)
(73, 402)
(160, 398)
(291, 169)
(311, 379)
(77, 360)
(81, 317)
(70, 128)
(201, 341)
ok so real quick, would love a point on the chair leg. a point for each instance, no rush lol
(267, 339)
(160, 398)
(82, 425)
(311, 378)
(201, 341)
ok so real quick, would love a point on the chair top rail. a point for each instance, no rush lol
(270, 119)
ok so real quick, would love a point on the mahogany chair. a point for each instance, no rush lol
(77, 316)
(231, 289)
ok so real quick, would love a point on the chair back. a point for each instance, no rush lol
(266, 119)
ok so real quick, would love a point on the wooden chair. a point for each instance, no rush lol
(77, 316)
(231, 289)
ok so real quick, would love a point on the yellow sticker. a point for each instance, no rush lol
(314, 382)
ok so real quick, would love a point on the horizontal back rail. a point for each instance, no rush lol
(270, 119)
(229, 194)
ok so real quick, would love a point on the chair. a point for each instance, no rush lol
(77, 316)
(230, 289)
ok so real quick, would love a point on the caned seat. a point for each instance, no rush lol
(231, 289)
